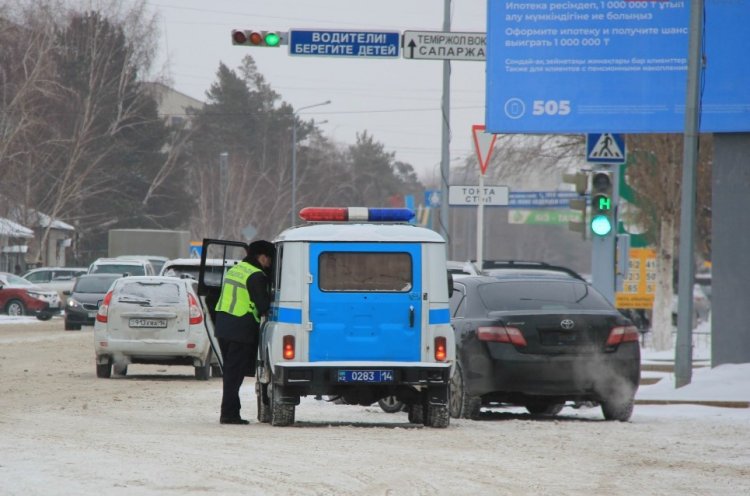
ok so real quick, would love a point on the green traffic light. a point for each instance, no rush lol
(272, 39)
(601, 225)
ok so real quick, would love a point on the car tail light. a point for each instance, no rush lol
(441, 349)
(101, 314)
(623, 334)
(191, 346)
(501, 334)
(288, 347)
(196, 316)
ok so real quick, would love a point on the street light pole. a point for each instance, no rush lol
(294, 154)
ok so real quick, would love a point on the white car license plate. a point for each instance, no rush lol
(147, 323)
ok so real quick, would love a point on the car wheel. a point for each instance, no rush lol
(15, 308)
(72, 327)
(264, 409)
(216, 371)
(44, 316)
(416, 414)
(120, 369)
(462, 404)
(618, 408)
(391, 404)
(281, 414)
(544, 407)
(203, 372)
(104, 370)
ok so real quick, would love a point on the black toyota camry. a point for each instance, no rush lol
(540, 339)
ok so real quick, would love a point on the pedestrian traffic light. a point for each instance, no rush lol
(578, 205)
(248, 37)
(602, 208)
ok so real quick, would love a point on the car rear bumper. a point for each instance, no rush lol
(150, 351)
(507, 373)
(79, 317)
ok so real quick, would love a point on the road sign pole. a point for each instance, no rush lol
(480, 223)
(445, 138)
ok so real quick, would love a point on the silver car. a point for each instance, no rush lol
(153, 320)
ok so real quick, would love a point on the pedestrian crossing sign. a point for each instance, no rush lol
(605, 148)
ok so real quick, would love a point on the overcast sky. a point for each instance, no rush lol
(397, 101)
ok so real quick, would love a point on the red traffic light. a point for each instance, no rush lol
(238, 37)
(256, 38)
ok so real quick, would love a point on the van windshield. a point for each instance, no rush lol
(357, 271)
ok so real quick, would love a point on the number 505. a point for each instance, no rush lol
(551, 107)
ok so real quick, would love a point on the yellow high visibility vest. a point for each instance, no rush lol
(235, 299)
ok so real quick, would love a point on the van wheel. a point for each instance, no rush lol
(15, 308)
(104, 370)
(437, 416)
(281, 414)
(264, 409)
(416, 414)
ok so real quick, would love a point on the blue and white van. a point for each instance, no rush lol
(360, 312)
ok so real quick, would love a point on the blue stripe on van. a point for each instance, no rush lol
(440, 316)
(286, 315)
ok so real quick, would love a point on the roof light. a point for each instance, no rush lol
(350, 214)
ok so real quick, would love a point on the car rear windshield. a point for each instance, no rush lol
(541, 295)
(93, 284)
(212, 274)
(133, 270)
(154, 292)
(357, 271)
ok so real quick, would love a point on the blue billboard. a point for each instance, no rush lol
(557, 66)
(337, 43)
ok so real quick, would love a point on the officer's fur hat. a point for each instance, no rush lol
(260, 247)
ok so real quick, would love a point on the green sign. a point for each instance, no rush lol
(542, 217)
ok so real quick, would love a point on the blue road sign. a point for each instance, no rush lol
(333, 43)
(432, 198)
(540, 199)
(196, 250)
(556, 66)
(605, 148)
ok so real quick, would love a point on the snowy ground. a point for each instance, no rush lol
(156, 432)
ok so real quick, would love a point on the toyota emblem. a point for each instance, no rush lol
(567, 324)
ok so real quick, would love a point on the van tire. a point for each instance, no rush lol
(282, 415)
(437, 416)
(416, 413)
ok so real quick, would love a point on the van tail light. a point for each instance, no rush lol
(196, 316)
(441, 349)
(101, 314)
(501, 334)
(623, 334)
(288, 350)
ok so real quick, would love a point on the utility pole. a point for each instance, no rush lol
(445, 153)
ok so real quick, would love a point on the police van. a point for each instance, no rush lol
(359, 313)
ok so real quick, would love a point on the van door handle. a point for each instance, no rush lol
(411, 315)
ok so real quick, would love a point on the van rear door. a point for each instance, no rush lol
(365, 301)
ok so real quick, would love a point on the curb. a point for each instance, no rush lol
(715, 403)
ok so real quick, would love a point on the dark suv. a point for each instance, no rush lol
(540, 336)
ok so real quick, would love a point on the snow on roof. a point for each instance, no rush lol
(374, 233)
(11, 229)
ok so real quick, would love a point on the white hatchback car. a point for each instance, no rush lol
(152, 319)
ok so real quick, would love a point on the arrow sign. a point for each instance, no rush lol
(484, 144)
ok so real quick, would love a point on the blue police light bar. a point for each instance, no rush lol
(348, 214)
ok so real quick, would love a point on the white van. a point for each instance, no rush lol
(359, 311)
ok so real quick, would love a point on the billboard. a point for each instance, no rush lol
(589, 66)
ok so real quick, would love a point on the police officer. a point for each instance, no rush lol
(245, 298)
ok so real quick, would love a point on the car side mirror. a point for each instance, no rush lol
(450, 285)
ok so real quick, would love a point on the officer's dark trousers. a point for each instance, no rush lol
(237, 357)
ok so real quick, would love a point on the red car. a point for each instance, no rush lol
(20, 297)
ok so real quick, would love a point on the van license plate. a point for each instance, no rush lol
(147, 323)
(365, 376)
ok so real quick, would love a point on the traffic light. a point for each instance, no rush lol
(602, 207)
(578, 205)
(248, 37)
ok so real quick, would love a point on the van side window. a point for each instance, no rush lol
(278, 264)
(357, 271)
